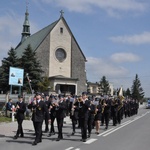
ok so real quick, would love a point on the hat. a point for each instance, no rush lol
(52, 96)
(84, 93)
(38, 93)
(20, 96)
(60, 96)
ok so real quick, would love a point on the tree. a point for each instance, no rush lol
(10, 61)
(128, 93)
(104, 86)
(44, 84)
(137, 90)
(32, 67)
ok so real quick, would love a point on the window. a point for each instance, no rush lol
(60, 54)
(61, 30)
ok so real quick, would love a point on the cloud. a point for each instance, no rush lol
(112, 7)
(97, 67)
(137, 39)
(124, 57)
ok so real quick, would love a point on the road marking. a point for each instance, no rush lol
(125, 122)
(128, 122)
(77, 149)
(90, 141)
(105, 132)
(116, 129)
(69, 148)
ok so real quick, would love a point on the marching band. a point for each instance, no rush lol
(86, 112)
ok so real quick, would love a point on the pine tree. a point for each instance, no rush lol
(10, 61)
(32, 67)
(104, 86)
(128, 93)
(137, 90)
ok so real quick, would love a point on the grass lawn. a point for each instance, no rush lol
(5, 119)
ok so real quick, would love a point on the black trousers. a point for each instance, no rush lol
(90, 124)
(83, 124)
(20, 129)
(38, 131)
(52, 130)
(60, 126)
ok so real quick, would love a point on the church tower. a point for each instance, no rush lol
(26, 27)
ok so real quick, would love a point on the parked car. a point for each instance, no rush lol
(148, 104)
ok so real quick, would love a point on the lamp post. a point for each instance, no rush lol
(29, 82)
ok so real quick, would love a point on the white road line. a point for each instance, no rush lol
(123, 125)
(105, 132)
(77, 149)
(90, 141)
(125, 122)
(69, 148)
(117, 129)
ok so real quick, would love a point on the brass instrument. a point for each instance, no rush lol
(121, 105)
(103, 105)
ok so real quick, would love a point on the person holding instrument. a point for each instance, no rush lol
(19, 109)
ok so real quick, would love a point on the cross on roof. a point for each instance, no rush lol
(27, 4)
(61, 13)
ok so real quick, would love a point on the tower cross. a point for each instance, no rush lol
(61, 13)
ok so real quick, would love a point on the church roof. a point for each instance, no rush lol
(35, 39)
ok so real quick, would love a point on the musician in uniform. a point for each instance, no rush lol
(106, 109)
(52, 114)
(20, 109)
(48, 104)
(98, 115)
(39, 110)
(73, 111)
(60, 115)
(83, 105)
(114, 111)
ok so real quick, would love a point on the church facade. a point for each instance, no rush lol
(61, 57)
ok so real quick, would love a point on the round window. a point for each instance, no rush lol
(60, 54)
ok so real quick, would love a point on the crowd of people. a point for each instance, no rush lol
(85, 112)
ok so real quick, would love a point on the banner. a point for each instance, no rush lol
(16, 76)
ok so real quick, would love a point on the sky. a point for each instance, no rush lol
(114, 35)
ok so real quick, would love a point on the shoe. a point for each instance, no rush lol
(89, 135)
(73, 133)
(21, 135)
(52, 133)
(83, 140)
(106, 127)
(40, 141)
(58, 139)
(34, 143)
(49, 135)
(15, 137)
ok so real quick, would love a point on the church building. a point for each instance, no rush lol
(61, 57)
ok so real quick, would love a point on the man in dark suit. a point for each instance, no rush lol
(83, 106)
(19, 115)
(39, 110)
(60, 109)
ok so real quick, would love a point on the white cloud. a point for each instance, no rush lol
(143, 38)
(124, 57)
(111, 6)
(97, 67)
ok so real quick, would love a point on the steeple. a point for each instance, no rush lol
(26, 26)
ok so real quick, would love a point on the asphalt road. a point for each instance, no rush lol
(132, 134)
